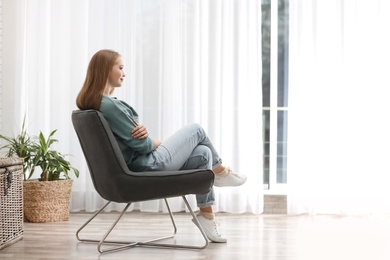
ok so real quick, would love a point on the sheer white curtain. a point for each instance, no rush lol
(186, 61)
(338, 112)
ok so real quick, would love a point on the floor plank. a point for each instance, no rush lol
(274, 237)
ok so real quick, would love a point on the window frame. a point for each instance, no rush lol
(273, 187)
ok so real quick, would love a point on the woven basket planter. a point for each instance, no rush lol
(46, 201)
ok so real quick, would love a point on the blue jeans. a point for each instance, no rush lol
(187, 149)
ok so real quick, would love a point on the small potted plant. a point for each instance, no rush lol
(45, 199)
(51, 162)
(19, 146)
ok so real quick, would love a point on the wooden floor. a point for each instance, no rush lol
(276, 237)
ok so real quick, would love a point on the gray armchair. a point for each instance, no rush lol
(116, 183)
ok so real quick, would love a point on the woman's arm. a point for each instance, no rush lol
(121, 117)
(141, 132)
(156, 143)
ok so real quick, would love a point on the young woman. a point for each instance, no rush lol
(188, 148)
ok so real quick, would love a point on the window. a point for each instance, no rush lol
(275, 33)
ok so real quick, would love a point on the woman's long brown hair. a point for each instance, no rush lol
(99, 69)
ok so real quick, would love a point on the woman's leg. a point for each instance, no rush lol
(190, 137)
(201, 158)
(182, 144)
(174, 152)
(190, 148)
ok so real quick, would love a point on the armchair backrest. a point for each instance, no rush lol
(104, 158)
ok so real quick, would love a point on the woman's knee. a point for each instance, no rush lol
(201, 158)
(205, 154)
(204, 151)
(195, 128)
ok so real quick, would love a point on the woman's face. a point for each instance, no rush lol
(116, 75)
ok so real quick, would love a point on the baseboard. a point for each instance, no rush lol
(275, 204)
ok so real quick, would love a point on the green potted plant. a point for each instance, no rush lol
(19, 146)
(45, 199)
(51, 162)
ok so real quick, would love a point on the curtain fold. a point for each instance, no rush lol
(338, 115)
(185, 61)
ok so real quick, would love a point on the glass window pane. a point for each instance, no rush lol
(266, 51)
(266, 144)
(283, 36)
(282, 147)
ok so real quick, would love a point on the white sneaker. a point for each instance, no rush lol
(210, 228)
(231, 179)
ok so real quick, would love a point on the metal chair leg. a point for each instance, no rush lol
(86, 223)
(173, 222)
(148, 243)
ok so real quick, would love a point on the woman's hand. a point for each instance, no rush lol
(156, 143)
(140, 131)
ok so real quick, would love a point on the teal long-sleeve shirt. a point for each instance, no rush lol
(120, 116)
